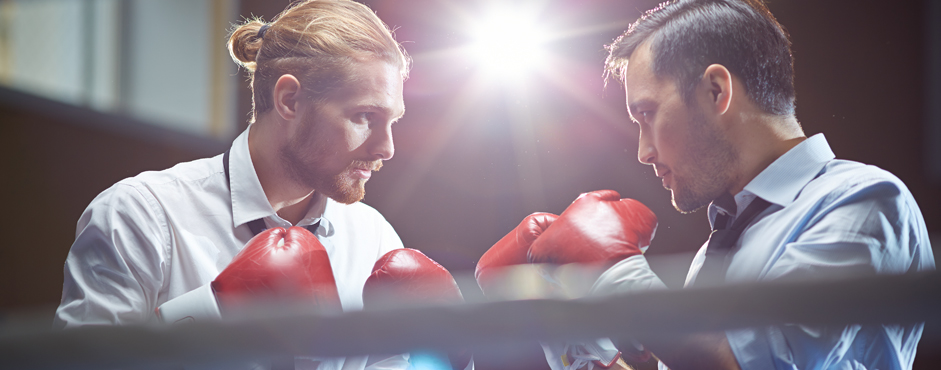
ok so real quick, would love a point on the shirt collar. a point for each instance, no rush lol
(249, 201)
(321, 209)
(783, 180)
(248, 198)
(726, 203)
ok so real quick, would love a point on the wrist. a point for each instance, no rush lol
(194, 306)
(628, 275)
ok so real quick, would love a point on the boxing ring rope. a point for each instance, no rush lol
(883, 299)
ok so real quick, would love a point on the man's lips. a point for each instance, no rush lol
(661, 170)
(362, 173)
(666, 176)
(363, 170)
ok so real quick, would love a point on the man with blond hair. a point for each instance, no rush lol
(327, 80)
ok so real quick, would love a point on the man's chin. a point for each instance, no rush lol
(348, 194)
(346, 198)
(685, 204)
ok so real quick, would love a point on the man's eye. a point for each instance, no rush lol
(646, 116)
(363, 117)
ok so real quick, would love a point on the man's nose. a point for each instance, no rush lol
(646, 153)
(381, 146)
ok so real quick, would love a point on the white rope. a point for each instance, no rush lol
(280, 331)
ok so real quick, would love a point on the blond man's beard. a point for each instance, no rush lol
(339, 186)
(344, 189)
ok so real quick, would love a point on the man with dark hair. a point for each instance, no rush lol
(689, 36)
(710, 85)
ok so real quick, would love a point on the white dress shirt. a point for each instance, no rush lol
(152, 237)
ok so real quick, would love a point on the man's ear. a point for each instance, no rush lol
(287, 91)
(717, 80)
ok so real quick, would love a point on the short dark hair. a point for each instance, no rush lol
(686, 36)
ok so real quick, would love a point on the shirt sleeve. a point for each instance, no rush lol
(115, 268)
(868, 229)
(875, 229)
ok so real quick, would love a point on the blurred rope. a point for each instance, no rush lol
(276, 330)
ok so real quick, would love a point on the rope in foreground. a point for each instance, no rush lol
(274, 331)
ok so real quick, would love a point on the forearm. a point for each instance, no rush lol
(693, 351)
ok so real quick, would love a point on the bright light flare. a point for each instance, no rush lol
(509, 42)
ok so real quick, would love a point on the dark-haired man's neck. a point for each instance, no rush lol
(761, 139)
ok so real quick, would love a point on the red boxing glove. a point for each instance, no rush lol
(407, 276)
(512, 249)
(596, 227)
(290, 264)
(277, 263)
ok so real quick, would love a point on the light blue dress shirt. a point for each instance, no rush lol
(828, 218)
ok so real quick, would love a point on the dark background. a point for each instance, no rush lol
(474, 157)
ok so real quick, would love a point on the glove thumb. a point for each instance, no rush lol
(535, 225)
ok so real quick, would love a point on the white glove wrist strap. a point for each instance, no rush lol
(196, 305)
(629, 275)
(599, 353)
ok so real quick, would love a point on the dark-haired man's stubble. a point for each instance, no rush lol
(708, 167)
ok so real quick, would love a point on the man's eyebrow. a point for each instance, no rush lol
(385, 110)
